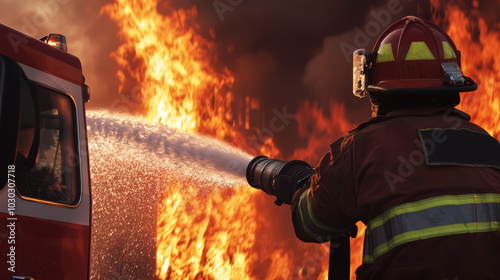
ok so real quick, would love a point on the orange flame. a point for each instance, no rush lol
(207, 232)
(171, 63)
(187, 233)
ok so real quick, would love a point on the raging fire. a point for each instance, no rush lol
(204, 230)
(171, 64)
(230, 232)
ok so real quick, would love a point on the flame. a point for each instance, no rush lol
(229, 233)
(478, 42)
(171, 66)
(185, 250)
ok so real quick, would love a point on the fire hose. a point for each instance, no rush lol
(282, 179)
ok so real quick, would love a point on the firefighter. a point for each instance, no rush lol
(422, 178)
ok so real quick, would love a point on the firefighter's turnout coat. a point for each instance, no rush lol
(425, 182)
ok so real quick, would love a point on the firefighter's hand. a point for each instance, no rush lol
(284, 190)
(286, 186)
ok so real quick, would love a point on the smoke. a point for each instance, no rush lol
(90, 36)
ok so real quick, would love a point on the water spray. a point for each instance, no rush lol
(132, 161)
(193, 155)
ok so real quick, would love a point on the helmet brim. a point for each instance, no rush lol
(387, 88)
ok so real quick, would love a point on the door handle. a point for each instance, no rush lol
(22, 278)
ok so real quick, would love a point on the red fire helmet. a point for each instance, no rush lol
(411, 55)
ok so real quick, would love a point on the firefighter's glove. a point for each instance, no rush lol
(285, 188)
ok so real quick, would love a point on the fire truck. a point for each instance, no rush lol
(45, 202)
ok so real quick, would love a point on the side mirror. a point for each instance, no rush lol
(359, 76)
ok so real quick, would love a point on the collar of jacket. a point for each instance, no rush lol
(413, 112)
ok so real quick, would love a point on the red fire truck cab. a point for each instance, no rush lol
(45, 203)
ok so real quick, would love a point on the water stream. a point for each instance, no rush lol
(128, 159)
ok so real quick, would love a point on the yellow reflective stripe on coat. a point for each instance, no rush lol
(419, 51)
(385, 53)
(311, 225)
(433, 217)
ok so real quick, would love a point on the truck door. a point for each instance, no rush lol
(44, 195)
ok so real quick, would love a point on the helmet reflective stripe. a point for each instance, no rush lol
(385, 53)
(432, 217)
(419, 51)
(448, 51)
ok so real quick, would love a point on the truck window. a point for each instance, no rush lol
(49, 131)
